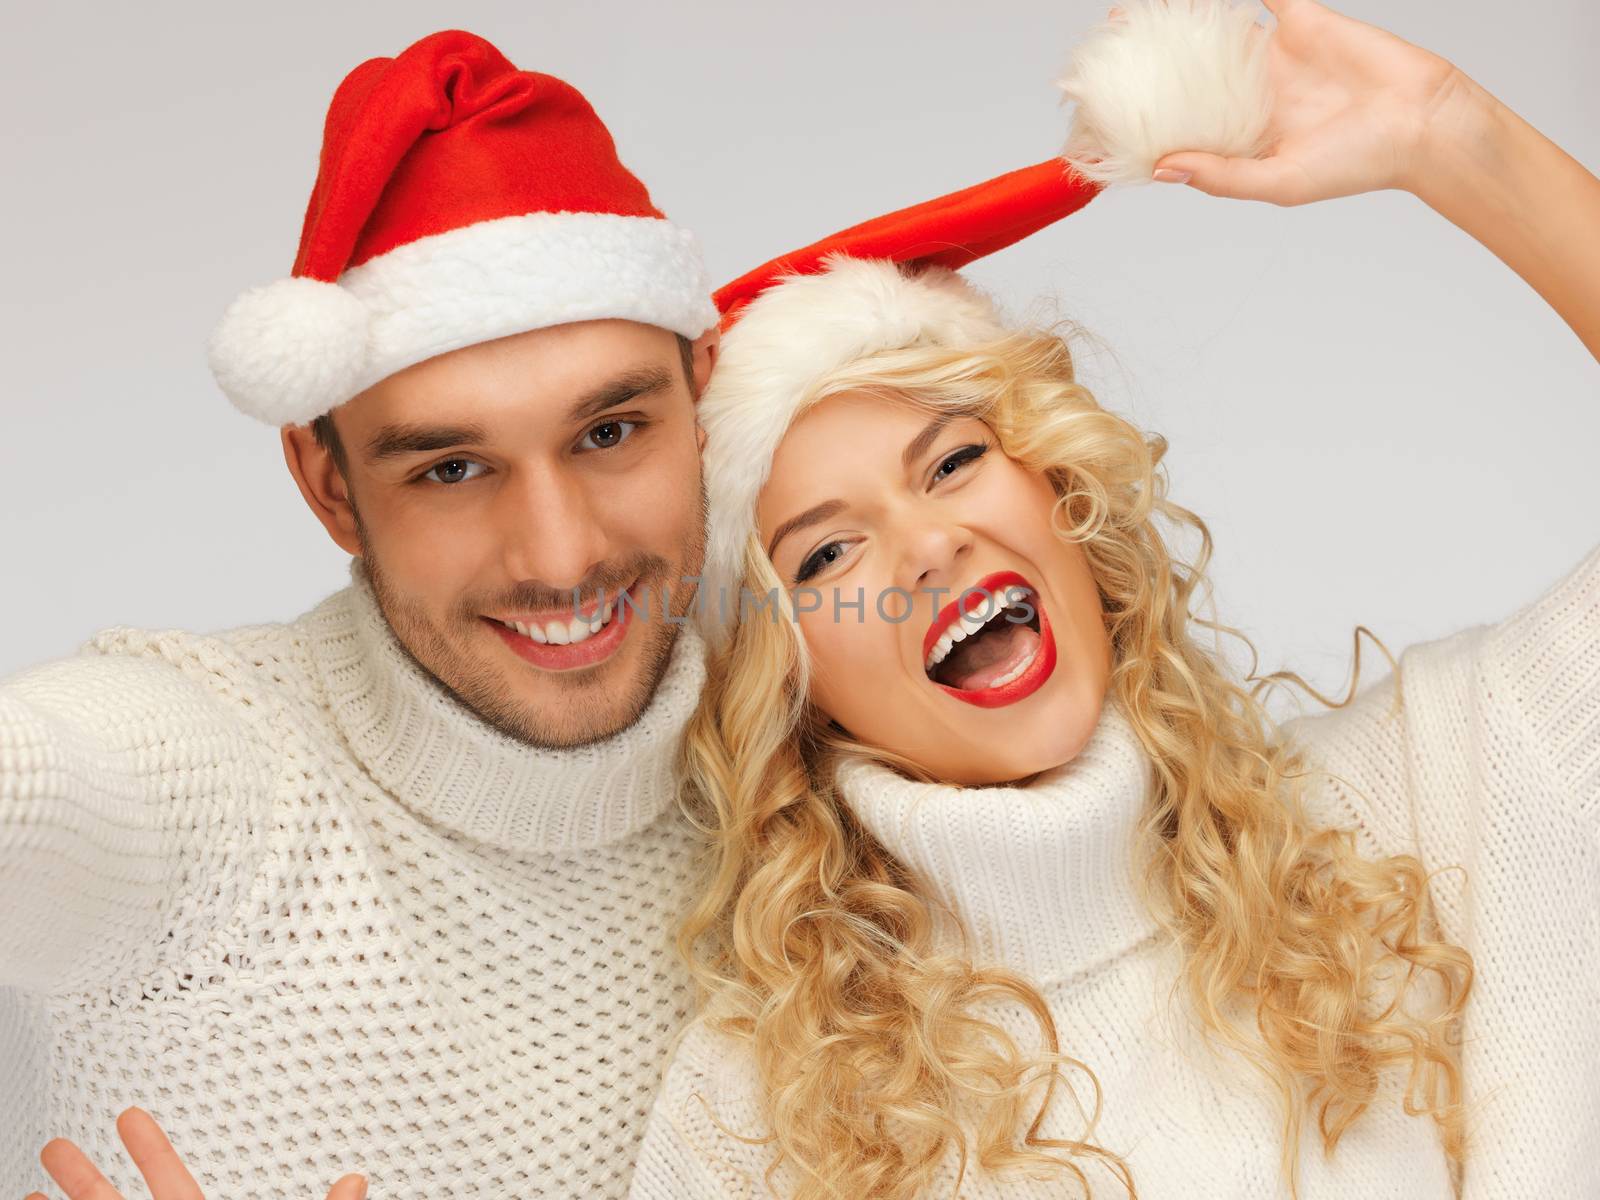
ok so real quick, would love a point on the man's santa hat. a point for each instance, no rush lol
(1157, 77)
(457, 200)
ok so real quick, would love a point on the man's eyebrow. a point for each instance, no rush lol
(817, 512)
(629, 386)
(918, 445)
(397, 441)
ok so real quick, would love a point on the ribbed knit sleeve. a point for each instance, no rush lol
(1547, 659)
(1484, 762)
(127, 791)
(1443, 726)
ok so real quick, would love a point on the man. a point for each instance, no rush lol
(391, 886)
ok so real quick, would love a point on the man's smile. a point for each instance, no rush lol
(570, 639)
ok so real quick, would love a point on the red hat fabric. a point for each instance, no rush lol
(950, 231)
(458, 199)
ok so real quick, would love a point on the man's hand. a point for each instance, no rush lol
(157, 1161)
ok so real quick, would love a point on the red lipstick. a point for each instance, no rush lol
(1038, 670)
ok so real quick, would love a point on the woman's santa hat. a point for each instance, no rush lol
(457, 200)
(1157, 77)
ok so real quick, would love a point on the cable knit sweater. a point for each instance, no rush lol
(277, 887)
(1488, 758)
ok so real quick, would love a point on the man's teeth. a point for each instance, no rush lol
(565, 633)
(968, 624)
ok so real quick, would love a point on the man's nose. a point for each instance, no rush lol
(550, 531)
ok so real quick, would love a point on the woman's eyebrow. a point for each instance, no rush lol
(918, 445)
(817, 512)
(915, 449)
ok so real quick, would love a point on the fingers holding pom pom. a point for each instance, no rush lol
(1270, 180)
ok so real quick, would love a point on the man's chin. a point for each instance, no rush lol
(559, 731)
(567, 709)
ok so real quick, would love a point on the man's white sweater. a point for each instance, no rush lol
(279, 888)
(1488, 758)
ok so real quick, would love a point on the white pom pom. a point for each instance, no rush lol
(291, 350)
(1167, 75)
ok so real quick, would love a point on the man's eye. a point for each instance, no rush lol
(451, 470)
(607, 434)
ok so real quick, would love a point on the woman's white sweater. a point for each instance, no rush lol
(279, 888)
(1487, 757)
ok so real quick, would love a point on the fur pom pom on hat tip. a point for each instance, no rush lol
(1160, 76)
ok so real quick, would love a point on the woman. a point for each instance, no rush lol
(1156, 899)
(1135, 907)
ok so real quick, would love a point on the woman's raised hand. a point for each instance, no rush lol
(157, 1161)
(1354, 109)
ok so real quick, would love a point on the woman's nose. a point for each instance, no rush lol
(934, 553)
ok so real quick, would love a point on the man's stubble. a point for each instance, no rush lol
(485, 691)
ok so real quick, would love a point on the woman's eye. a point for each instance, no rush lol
(955, 461)
(821, 557)
(451, 470)
(607, 434)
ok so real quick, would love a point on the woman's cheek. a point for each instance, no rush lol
(850, 653)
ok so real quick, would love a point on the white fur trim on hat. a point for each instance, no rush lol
(771, 360)
(295, 349)
(1167, 75)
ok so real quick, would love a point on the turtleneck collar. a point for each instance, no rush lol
(444, 763)
(1042, 874)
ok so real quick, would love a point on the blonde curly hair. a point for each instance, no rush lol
(816, 945)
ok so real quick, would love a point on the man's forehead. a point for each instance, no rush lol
(557, 361)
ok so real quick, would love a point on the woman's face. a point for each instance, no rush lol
(883, 515)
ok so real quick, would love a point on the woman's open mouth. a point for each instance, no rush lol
(992, 646)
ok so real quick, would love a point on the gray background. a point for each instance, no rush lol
(1381, 423)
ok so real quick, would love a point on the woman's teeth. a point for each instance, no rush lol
(565, 633)
(968, 624)
(1015, 671)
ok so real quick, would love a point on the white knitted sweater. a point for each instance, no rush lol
(1490, 760)
(277, 887)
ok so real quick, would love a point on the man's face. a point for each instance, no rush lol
(486, 484)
